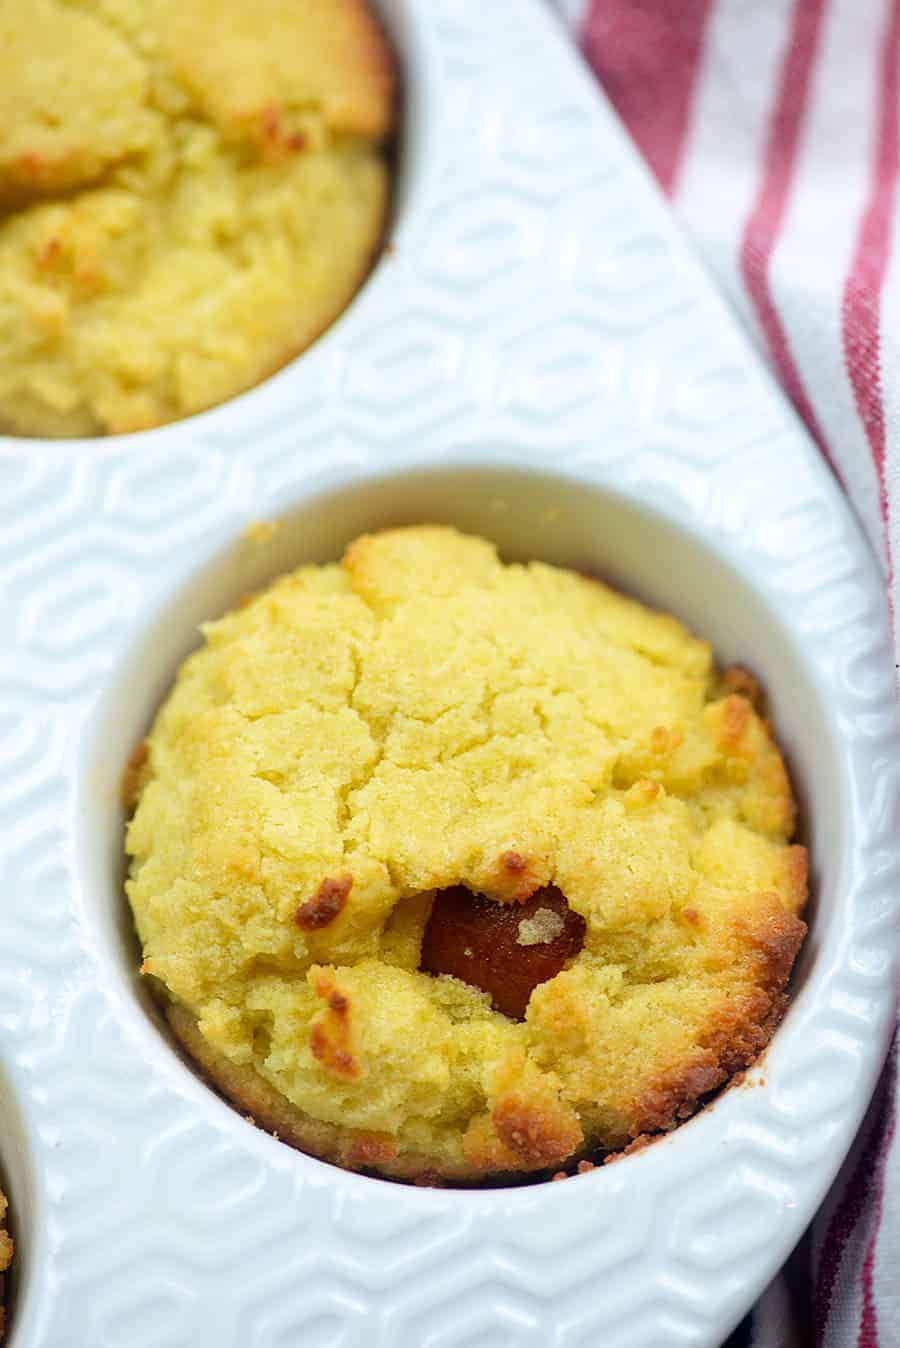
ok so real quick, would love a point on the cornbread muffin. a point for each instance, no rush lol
(6, 1254)
(449, 868)
(190, 191)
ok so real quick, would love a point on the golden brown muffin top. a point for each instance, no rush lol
(360, 737)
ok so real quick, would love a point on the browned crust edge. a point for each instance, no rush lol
(729, 1050)
(263, 1106)
(738, 1037)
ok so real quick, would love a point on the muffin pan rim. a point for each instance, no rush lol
(672, 1281)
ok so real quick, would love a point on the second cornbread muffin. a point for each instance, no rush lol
(190, 191)
(6, 1254)
(447, 867)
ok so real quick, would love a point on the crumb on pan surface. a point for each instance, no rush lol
(6, 1254)
(190, 192)
(362, 737)
(261, 531)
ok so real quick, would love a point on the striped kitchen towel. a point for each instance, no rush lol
(774, 128)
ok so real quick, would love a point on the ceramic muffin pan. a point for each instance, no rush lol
(536, 358)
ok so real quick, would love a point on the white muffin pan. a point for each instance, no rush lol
(536, 358)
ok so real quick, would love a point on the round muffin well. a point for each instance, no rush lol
(359, 738)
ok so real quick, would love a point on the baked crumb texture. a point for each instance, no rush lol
(418, 717)
(6, 1254)
(190, 191)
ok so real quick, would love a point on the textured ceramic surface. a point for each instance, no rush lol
(537, 312)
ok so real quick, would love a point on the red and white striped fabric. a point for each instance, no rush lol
(774, 128)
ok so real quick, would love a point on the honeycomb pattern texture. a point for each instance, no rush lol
(555, 316)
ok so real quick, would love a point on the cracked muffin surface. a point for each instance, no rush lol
(370, 760)
(190, 192)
